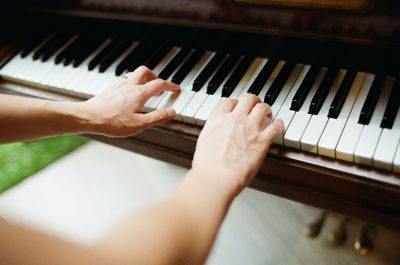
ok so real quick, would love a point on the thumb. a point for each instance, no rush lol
(159, 116)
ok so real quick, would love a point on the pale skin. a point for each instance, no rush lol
(182, 228)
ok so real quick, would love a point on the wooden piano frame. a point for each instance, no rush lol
(354, 190)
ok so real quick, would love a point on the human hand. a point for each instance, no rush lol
(116, 111)
(235, 140)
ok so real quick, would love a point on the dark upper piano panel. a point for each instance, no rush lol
(381, 24)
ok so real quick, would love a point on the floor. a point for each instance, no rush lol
(85, 193)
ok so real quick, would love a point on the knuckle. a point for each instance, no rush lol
(228, 101)
(159, 82)
(261, 107)
(252, 97)
(142, 69)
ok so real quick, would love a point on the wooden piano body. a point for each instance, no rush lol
(358, 191)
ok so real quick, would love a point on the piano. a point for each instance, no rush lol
(329, 69)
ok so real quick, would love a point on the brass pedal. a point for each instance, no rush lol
(314, 228)
(363, 243)
(339, 234)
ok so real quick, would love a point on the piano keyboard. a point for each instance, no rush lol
(327, 109)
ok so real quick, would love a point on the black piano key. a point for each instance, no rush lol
(305, 87)
(156, 58)
(143, 56)
(188, 66)
(124, 64)
(54, 45)
(236, 76)
(39, 53)
(341, 94)
(392, 106)
(174, 63)
(263, 76)
(65, 55)
(31, 43)
(323, 90)
(88, 48)
(371, 100)
(207, 71)
(113, 55)
(222, 73)
(103, 53)
(278, 83)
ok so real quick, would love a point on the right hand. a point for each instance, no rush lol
(235, 140)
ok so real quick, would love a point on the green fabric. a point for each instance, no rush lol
(20, 160)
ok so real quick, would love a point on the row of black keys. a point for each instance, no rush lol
(151, 53)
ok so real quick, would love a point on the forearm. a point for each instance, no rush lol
(24, 119)
(180, 230)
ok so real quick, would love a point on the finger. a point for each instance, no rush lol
(273, 130)
(157, 86)
(158, 116)
(140, 76)
(246, 104)
(225, 106)
(261, 115)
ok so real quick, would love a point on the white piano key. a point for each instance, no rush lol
(262, 62)
(285, 114)
(32, 72)
(18, 72)
(78, 73)
(52, 71)
(333, 130)
(197, 100)
(167, 98)
(193, 106)
(370, 134)
(92, 85)
(386, 148)
(287, 87)
(153, 102)
(352, 131)
(316, 126)
(178, 101)
(9, 68)
(81, 72)
(212, 101)
(396, 161)
(27, 65)
(8, 72)
(301, 118)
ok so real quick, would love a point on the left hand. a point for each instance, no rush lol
(117, 110)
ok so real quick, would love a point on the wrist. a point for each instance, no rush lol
(219, 181)
(73, 117)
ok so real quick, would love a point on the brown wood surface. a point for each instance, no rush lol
(324, 4)
(378, 26)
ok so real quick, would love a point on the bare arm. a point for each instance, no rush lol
(181, 229)
(115, 112)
